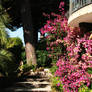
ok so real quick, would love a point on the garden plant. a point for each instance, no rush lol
(71, 52)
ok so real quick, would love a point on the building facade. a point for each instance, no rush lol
(80, 13)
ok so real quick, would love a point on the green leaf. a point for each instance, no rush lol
(89, 70)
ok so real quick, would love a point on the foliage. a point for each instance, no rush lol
(53, 69)
(27, 67)
(15, 45)
(24, 69)
(9, 60)
(56, 85)
(10, 48)
(84, 88)
(14, 42)
(3, 34)
(4, 17)
(41, 44)
(3, 39)
(89, 70)
(7, 65)
(42, 59)
(23, 56)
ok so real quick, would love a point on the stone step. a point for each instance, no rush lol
(30, 86)
(29, 90)
(46, 89)
(38, 79)
(35, 82)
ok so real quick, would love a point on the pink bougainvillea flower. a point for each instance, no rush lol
(58, 84)
(90, 62)
(50, 55)
(47, 48)
(61, 4)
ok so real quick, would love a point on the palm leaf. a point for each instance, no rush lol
(7, 65)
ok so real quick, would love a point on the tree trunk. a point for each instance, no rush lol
(29, 32)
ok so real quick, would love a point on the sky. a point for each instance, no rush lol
(19, 33)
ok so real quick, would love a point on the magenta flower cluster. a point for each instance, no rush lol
(72, 69)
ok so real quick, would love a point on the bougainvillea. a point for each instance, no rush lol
(71, 48)
(72, 69)
(56, 31)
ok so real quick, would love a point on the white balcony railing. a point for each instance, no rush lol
(77, 4)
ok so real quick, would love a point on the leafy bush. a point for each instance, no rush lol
(9, 60)
(27, 68)
(15, 45)
(41, 44)
(53, 69)
(42, 59)
(84, 88)
(89, 70)
(24, 70)
(7, 65)
(23, 57)
(10, 49)
(56, 85)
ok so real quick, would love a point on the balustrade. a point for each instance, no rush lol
(77, 4)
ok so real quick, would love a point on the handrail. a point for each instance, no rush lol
(77, 4)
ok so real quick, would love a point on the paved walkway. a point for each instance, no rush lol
(36, 82)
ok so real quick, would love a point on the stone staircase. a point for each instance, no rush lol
(36, 82)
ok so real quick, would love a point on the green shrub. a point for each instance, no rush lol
(89, 70)
(84, 88)
(42, 59)
(23, 57)
(15, 46)
(56, 85)
(53, 69)
(41, 44)
(27, 68)
(7, 65)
